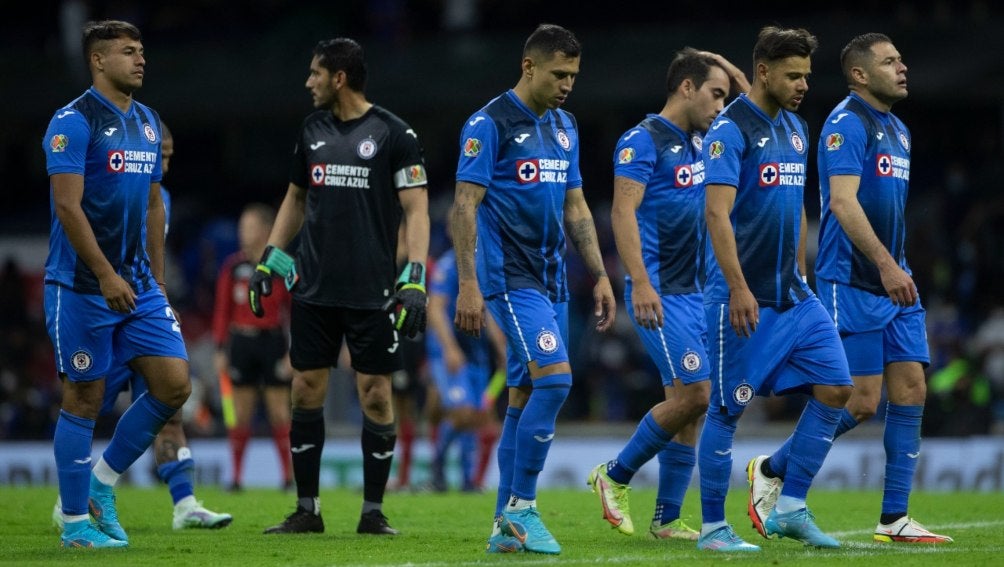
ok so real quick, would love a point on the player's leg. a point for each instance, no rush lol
(546, 358)
(277, 410)
(374, 345)
(316, 338)
(150, 339)
(245, 399)
(906, 352)
(676, 468)
(816, 360)
(731, 391)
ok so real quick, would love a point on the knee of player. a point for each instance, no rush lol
(833, 396)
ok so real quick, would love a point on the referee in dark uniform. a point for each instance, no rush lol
(357, 174)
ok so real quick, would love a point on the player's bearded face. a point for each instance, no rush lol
(123, 63)
(320, 84)
(787, 81)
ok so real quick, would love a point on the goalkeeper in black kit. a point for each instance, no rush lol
(357, 174)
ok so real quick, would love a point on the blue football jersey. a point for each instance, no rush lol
(667, 161)
(764, 159)
(526, 163)
(875, 146)
(444, 281)
(118, 154)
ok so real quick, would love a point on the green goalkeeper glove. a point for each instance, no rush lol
(273, 262)
(410, 296)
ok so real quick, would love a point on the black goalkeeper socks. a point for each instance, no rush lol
(378, 453)
(306, 442)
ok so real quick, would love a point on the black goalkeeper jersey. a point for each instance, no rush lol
(352, 172)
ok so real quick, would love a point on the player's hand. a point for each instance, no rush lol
(273, 262)
(470, 316)
(411, 297)
(899, 285)
(744, 312)
(454, 359)
(605, 304)
(647, 304)
(259, 286)
(118, 294)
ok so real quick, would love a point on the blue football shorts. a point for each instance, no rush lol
(679, 348)
(90, 340)
(536, 330)
(790, 351)
(874, 331)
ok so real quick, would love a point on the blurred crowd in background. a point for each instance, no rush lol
(956, 206)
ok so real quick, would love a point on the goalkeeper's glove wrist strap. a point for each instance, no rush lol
(413, 273)
(276, 260)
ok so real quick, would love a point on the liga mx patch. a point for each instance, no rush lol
(547, 342)
(58, 143)
(743, 394)
(717, 149)
(625, 156)
(82, 361)
(472, 147)
(834, 141)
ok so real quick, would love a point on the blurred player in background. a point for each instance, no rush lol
(658, 224)
(461, 366)
(863, 277)
(357, 172)
(105, 300)
(518, 191)
(251, 351)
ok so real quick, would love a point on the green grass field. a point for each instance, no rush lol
(451, 529)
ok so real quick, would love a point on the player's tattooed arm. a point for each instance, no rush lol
(582, 232)
(464, 226)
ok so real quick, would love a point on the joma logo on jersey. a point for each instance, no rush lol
(541, 170)
(129, 161)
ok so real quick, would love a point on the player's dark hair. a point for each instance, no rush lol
(549, 39)
(689, 64)
(343, 54)
(774, 44)
(859, 50)
(104, 30)
(264, 212)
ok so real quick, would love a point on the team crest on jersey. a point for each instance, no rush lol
(472, 147)
(547, 342)
(905, 141)
(697, 141)
(770, 176)
(58, 143)
(625, 156)
(883, 165)
(834, 141)
(683, 175)
(150, 133)
(366, 148)
(527, 170)
(563, 140)
(797, 143)
(717, 149)
(743, 394)
(81, 361)
(691, 361)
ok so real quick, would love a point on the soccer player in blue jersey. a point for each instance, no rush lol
(863, 278)
(658, 223)
(170, 448)
(518, 192)
(105, 301)
(768, 333)
(461, 366)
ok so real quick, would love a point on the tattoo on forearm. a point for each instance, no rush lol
(464, 237)
(582, 232)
